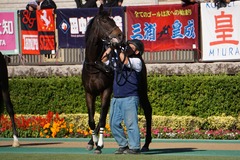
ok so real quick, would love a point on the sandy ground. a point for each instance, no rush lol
(154, 145)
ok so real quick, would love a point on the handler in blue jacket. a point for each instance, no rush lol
(125, 101)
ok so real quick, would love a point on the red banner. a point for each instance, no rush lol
(29, 33)
(30, 42)
(164, 27)
(38, 32)
(46, 29)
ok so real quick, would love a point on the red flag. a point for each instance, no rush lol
(45, 20)
(46, 31)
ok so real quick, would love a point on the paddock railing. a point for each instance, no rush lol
(66, 56)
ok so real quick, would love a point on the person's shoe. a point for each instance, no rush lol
(132, 151)
(121, 150)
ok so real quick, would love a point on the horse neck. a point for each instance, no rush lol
(93, 51)
(94, 44)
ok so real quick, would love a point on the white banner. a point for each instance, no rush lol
(220, 32)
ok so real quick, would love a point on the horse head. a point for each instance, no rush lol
(104, 29)
(109, 31)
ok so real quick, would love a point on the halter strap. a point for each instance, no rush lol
(107, 32)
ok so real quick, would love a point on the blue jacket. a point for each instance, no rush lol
(126, 81)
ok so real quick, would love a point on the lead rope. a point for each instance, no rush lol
(121, 71)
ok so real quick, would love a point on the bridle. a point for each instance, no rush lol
(107, 37)
(107, 41)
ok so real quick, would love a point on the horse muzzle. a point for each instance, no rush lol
(116, 37)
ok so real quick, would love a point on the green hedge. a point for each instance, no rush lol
(192, 95)
(201, 96)
(39, 95)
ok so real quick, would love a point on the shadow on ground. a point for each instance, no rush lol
(170, 151)
(34, 144)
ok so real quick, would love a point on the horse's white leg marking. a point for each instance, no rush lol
(100, 141)
(94, 136)
(15, 141)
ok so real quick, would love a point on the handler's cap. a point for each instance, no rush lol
(32, 2)
(138, 44)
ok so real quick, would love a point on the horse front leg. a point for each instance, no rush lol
(9, 107)
(90, 101)
(105, 103)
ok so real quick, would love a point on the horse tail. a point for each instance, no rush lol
(4, 73)
(145, 104)
(3, 81)
(143, 96)
(1, 96)
(1, 102)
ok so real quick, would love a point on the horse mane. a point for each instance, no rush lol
(88, 34)
(89, 27)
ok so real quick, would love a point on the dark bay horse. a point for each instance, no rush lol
(102, 31)
(5, 97)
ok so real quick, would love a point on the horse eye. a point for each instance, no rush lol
(104, 20)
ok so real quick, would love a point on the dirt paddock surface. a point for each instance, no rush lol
(158, 147)
(110, 143)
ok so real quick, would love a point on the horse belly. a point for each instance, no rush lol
(97, 85)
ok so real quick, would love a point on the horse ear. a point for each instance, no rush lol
(110, 11)
(100, 8)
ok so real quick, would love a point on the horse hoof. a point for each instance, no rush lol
(144, 149)
(89, 147)
(98, 150)
(16, 144)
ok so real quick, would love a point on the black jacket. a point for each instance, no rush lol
(48, 4)
(112, 3)
(89, 4)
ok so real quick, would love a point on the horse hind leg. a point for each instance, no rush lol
(147, 108)
(1, 102)
(9, 107)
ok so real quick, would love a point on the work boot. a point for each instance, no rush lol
(121, 150)
(132, 151)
